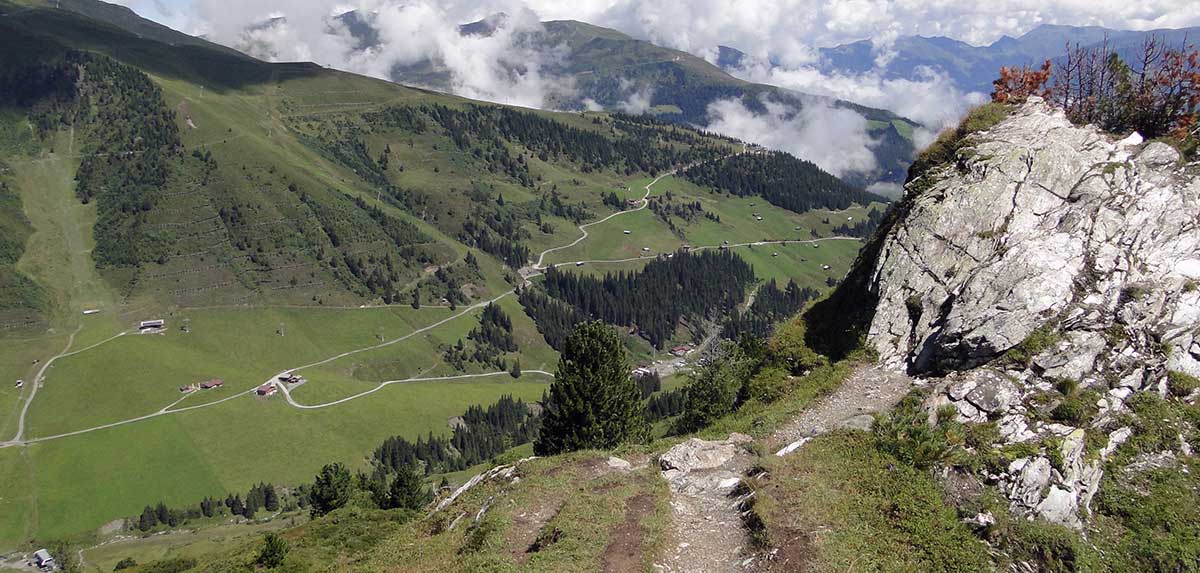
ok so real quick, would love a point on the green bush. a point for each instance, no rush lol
(788, 348)
(1075, 410)
(125, 563)
(1037, 341)
(907, 434)
(1054, 548)
(769, 385)
(274, 550)
(1181, 384)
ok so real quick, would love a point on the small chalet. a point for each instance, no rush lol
(152, 324)
(214, 383)
(42, 559)
(266, 389)
(681, 350)
(631, 202)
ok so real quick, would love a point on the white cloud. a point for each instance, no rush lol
(638, 101)
(835, 139)
(930, 97)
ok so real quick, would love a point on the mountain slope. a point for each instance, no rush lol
(262, 181)
(590, 67)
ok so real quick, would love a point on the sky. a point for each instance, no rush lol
(781, 36)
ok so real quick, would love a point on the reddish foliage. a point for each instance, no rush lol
(1018, 83)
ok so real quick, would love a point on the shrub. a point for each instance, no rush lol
(125, 563)
(907, 434)
(1054, 548)
(768, 386)
(274, 550)
(1181, 384)
(787, 347)
(1038, 341)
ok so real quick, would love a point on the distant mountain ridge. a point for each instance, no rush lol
(972, 67)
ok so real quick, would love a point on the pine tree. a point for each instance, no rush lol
(593, 402)
(270, 498)
(406, 491)
(416, 298)
(148, 519)
(516, 369)
(162, 512)
(331, 489)
(237, 507)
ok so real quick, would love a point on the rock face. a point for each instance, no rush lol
(1079, 250)
(1042, 222)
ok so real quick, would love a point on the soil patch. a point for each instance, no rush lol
(624, 552)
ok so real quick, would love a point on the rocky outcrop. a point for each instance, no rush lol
(1050, 261)
(1045, 223)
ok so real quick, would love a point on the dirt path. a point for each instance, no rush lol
(706, 518)
(869, 390)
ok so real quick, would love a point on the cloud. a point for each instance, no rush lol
(503, 66)
(930, 97)
(835, 139)
(638, 101)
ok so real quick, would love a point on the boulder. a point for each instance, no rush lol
(1033, 475)
(994, 392)
(1060, 507)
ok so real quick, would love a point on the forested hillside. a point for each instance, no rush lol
(782, 179)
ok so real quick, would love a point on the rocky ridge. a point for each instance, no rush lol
(1050, 261)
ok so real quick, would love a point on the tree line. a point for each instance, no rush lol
(783, 180)
(771, 305)
(698, 285)
(262, 496)
(479, 435)
(492, 339)
(131, 140)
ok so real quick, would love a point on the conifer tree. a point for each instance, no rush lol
(593, 402)
(148, 519)
(270, 498)
(406, 491)
(331, 489)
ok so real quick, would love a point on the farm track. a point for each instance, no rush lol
(526, 273)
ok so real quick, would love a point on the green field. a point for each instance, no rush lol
(606, 241)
